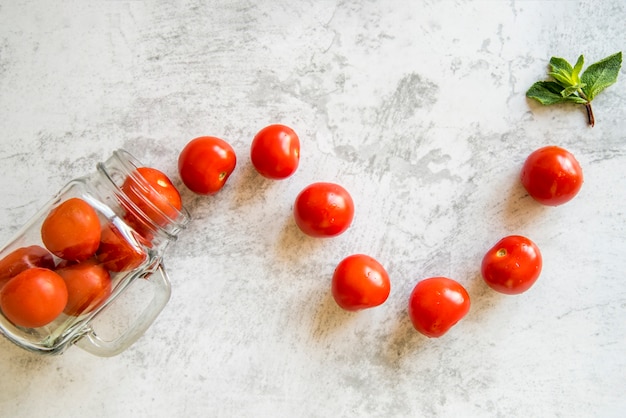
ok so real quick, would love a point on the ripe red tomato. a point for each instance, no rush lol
(33, 298)
(437, 304)
(275, 152)
(24, 258)
(154, 195)
(117, 253)
(360, 282)
(205, 164)
(552, 176)
(323, 210)
(88, 286)
(512, 266)
(72, 230)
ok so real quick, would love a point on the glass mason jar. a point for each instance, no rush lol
(130, 227)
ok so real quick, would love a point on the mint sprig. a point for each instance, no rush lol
(569, 85)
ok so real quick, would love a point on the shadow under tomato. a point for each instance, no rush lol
(520, 208)
(249, 184)
(403, 339)
(329, 318)
(482, 299)
(242, 188)
(292, 243)
(199, 206)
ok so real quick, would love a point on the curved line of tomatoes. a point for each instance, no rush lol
(551, 175)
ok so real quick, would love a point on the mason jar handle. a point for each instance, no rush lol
(93, 344)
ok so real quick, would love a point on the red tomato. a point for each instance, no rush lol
(275, 152)
(88, 286)
(360, 282)
(552, 176)
(33, 298)
(323, 210)
(24, 258)
(117, 253)
(154, 195)
(512, 266)
(72, 230)
(437, 304)
(205, 164)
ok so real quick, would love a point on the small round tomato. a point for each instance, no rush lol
(72, 230)
(552, 176)
(323, 210)
(88, 286)
(512, 266)
(117, 252)
(275, 152)
(33, 298)
(360, 282)
(24, 258)
(153, 194)
(205, 164)
(437, 304)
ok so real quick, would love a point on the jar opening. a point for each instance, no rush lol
(145, 208)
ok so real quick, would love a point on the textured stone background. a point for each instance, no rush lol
(418, 109)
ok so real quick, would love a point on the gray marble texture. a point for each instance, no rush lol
(418, 108)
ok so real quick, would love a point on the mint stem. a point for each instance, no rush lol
(590, 117)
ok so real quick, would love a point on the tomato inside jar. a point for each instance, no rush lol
(85, 248)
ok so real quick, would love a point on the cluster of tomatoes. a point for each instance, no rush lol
(71, 269)
(321, 209)
(551, 175)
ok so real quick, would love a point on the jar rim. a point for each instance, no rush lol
(129, 165)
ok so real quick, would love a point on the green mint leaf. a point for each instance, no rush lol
(546, 92)
(575, 99)
(562, 71)
(568, 91)
(601, 75)
(564, 79)
(560, 65)
(577, 68)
